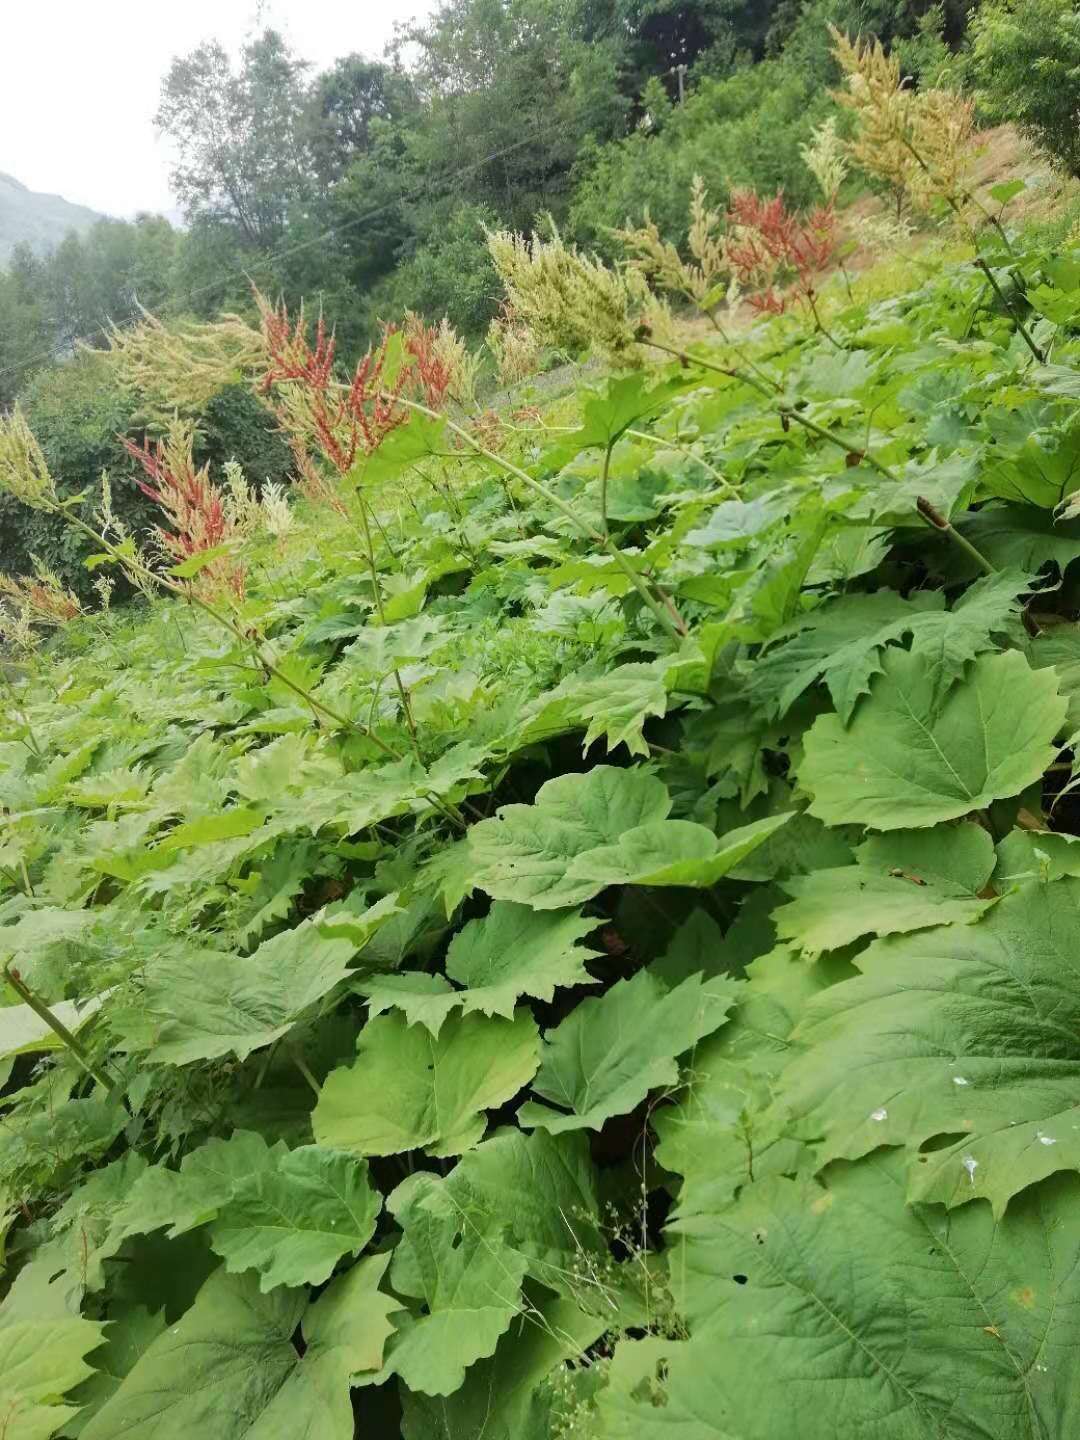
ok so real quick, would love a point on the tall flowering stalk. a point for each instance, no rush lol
(24, 476)
(42, 597)
(777, 254)
(919, 142)
(344, 421)
(198, 512)
(703, 279)
(24, 472)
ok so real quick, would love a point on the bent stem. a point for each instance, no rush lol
(937, 521)
(57, 1026)
(538, 487)
(981, 264)
(686, 450)
(604, 484)
(786, 412)
(376, 586)
(265, 661)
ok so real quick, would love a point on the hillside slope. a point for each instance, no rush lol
(40, 220)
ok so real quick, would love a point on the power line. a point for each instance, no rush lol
(274, 257)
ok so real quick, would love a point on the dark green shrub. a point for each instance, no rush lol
(78, 411)
(741, 131)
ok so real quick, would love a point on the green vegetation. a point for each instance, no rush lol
(366, 187)
(1024, 58)
(562, 919)
(575, 918)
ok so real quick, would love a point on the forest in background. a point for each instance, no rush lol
(366, 190)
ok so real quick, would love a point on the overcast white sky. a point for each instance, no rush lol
(79, 81)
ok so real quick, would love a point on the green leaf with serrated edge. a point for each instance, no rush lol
(538, 1193)
(210, 828)
(188, 569)
(613, 1049)
(499, 1397)
(207, 1179)
(960, 855)
(128, 1336)
(84, 1229)
(842, 642)
(719, 1133)
(515, 951)
(409, 1089)
(609, 413)
(965, 1031)
(915, 1321)
(908, 760)
(1034, 855)
(422, 998)
(470, 1287)
(23, 1031)
(672, 852)
(344, 1332)
(553, 854)
(209, 1003)
(217, 1371)
(43, 1350)
(617, 705)
(948, 639)
(833, 908)
(524, 849)
(294, 1223)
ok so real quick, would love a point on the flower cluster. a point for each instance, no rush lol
(703, 279)
(443, 368)
(570, 301)
(917, 142)
(197, 509)
(776, 254)
(514, 346)
(181, 366)
(825, 156)
(24, 473)
(343, 422)
(41, 598)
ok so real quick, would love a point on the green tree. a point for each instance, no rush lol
(1025, 62)
(238, 135)
(344, 106)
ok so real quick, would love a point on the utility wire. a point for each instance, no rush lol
(273, 257)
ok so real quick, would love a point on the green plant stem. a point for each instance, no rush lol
(740, 350)
(604, 472)
(981, 264)
(376, 587)
(267, 664)
(965, 193)
(599, 538)
(57, 1026)
(785, 411)
(972, 199)
(302, 1065)
(934, 518)
(686, 450)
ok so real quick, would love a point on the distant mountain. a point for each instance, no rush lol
(41, 220)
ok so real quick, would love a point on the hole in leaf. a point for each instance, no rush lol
(739, 1279)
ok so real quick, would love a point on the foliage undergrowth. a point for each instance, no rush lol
(590, 946)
